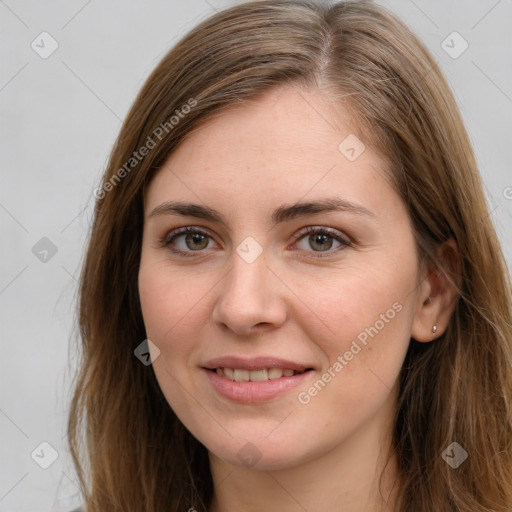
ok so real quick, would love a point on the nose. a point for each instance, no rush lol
(250, 298)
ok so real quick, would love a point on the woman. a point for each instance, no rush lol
(293, 296)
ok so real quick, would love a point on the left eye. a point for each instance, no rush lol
(322, 239)
(196, 240)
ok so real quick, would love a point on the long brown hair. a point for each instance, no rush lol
(130, 450)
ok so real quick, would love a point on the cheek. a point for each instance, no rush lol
(171, 303)
(362, 321)
(348, 301)
(362, 341)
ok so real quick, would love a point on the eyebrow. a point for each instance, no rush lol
(281, 214)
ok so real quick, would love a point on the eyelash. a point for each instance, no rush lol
(168, 239)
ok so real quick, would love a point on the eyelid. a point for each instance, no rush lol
(346, 241)
(321, 229)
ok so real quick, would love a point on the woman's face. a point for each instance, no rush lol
(257, 296)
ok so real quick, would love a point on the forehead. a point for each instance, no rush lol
(282, 147)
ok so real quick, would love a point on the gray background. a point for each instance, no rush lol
(59, 119)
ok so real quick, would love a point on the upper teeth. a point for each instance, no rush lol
(255, 375)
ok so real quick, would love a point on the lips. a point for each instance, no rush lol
(256, 363)
(254, 380)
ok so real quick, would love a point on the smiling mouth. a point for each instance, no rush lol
(241, 375)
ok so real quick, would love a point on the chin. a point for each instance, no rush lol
(260, 455)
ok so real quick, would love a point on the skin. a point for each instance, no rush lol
(288, 303)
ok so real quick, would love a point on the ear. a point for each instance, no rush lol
(438, 294)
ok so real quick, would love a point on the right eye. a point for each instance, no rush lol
(193, 239)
